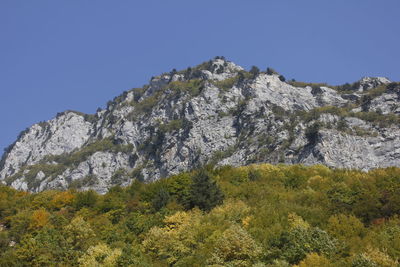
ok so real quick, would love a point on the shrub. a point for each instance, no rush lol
(254, 71)
(312, 133)
(342, 125)
(103, 145)
(174, 125)
(345, 87)
(365, 102)
(192, 87)
(88, 180)
(271, 71)
(146, 105)
(227, 83)
(305, 84)
(377, 119)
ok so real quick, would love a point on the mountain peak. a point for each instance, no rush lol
(213, 113)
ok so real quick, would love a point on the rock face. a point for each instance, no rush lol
(371, 82)
(214, 113)
(63, 134)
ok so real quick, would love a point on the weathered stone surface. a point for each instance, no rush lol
(367, 83)
(386, 104)
(221, 70)
(63, 134)
(336, 149)
(223, 119)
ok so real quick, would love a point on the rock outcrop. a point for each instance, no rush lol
(367, 83)
(63, 134)
(215, 113)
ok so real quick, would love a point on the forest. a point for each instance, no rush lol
(257, 215)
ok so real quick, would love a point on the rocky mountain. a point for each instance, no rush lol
(214, 113)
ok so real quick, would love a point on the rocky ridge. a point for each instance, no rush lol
(215, 113)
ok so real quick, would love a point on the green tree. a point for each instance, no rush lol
(302, 239)
(161, 199)
(346, 227)
(179, 188)
(46, 248)
(205, 193)
(85, 199)
(235, 247)
(133, 256)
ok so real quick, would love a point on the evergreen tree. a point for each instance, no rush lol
(204, 192)
(254, 71)
(160, 199)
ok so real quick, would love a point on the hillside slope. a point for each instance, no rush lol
(214, 113)
(259, 215)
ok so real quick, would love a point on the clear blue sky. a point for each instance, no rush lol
(78, 54)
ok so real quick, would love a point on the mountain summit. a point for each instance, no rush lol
(214, 113)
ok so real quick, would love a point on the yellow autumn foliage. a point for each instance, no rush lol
(100, 255)
(235, 247)
(79, 233)
(295, 221)
(177, 239)
(380, 258)
(39, 219)
(315, 260)
(62, 199)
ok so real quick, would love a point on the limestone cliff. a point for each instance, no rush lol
(214, 113)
